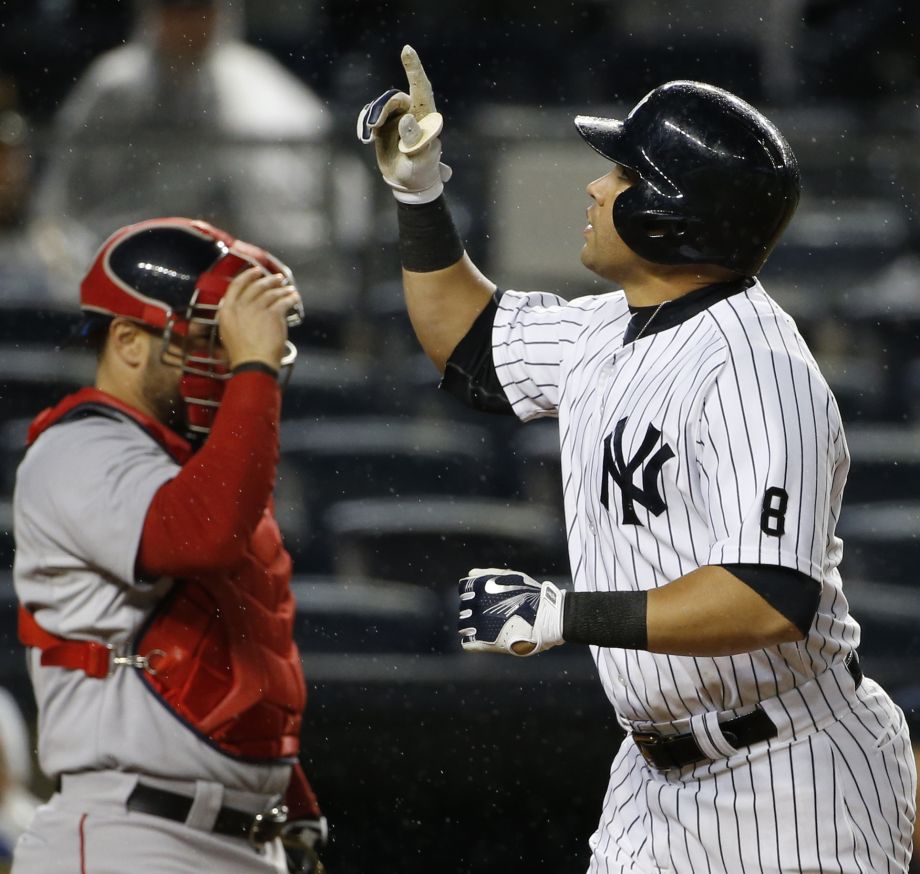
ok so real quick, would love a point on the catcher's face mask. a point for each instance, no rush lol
(171, 274)
(204, 364)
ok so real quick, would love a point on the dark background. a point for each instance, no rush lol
(425, 759)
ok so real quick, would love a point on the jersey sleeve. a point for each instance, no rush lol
(532, 334)
(203, 520)
(83, 492)
(770, 458)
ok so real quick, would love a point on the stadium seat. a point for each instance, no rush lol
(889, 645)
(12, 447)
(339, 459)
(47, 325)
(536, 461)
(7, 547)
(324, 383)
(860, 386)
(34, 377)
(884, 463)
(368, 616)
(881, 541)
(435, 540)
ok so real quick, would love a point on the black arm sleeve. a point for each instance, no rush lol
(618, 619)
(790, 592)
(470, 372)
(428, 238)
(609, 619)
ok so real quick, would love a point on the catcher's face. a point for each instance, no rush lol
(161, 383)
(160, 387)
(604, 252)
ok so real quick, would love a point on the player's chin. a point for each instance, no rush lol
(602, 262)
(590, 260)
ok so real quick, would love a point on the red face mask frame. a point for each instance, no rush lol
(204, 366)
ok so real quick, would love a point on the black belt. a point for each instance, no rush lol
(676, 751)
(258, 828)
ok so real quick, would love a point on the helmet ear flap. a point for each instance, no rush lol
(659, 226)
(652, 233)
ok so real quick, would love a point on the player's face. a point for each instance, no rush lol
(160, 384)
(604, 252)
(162, 380)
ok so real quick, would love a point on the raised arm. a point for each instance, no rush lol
(444, 289)
(203, 518)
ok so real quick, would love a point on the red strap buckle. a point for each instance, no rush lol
(94, 659)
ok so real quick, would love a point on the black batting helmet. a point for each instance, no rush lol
(717, 184)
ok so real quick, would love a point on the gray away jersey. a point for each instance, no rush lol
(82, 494)
(715, 441)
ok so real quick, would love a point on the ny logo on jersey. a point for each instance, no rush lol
(623, 472)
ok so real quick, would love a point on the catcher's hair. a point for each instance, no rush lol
(90, 333)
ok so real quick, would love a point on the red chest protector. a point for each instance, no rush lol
(230, 670)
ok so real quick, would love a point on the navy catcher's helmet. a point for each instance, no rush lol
(718, 183)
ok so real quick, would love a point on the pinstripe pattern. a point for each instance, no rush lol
(739, 400)
(836, 801)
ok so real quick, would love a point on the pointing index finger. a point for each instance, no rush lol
(420, 90)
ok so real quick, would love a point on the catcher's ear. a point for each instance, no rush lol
(127, 343)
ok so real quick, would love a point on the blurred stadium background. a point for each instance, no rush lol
(426, 760)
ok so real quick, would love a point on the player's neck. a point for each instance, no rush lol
(124, 390)
(652, 288)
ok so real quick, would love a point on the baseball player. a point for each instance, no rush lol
(703, 463)
(154, 586)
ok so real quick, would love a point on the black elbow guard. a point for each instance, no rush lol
(788, 591)
(470, 372)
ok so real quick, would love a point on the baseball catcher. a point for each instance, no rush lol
(154, 587)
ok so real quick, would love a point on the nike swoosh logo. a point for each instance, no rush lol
(493, 588)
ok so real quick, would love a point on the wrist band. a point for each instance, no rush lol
(609, 619)
(428, 239)
(259, 366)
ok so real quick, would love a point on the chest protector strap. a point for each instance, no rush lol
(89, 656)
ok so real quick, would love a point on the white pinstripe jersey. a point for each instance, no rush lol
(714, 440)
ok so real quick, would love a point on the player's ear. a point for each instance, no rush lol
(127, 343)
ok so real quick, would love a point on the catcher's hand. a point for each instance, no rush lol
(302, 840)
(405, 129)
(509, 612)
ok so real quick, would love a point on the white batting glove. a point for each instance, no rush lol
(405, 129)
(509, 612)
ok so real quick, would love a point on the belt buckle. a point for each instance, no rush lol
(645, 741)
(267, 825)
